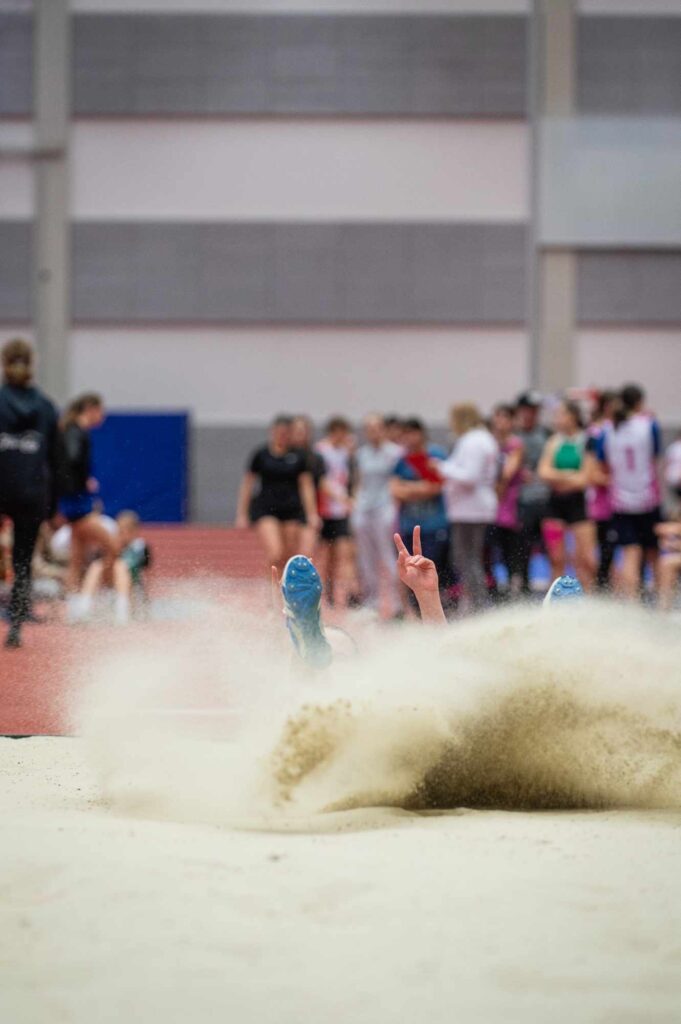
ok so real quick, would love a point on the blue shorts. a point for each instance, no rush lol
(76, 506)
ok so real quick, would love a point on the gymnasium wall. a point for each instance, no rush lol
(322, 206)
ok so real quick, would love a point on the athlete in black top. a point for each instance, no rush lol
(76, 489)
(278, 492)
(302, 437)
(28, 436)
(75, 465)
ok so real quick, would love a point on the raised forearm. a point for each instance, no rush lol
(430, 606)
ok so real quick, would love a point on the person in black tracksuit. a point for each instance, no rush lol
(28, 454)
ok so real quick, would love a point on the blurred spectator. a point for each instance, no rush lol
(672, 471)
(49, 574)
(505, 535)
(669, 570)
(470, 475)
(394, 429)
(534, 494)
(598, 500)
(337, 560)
(631, 452)
(77, 488)
(127, 571)
(28, 436)
(277, 495)
(374, 516)
(417, 487)
(60, 540)
(563, 466)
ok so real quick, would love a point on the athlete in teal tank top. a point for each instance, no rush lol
(569, 453)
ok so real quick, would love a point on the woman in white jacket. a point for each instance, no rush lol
(470, 475)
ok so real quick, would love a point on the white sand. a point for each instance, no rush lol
(153, 908)
(478, 916)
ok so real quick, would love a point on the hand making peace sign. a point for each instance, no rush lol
(415, 571)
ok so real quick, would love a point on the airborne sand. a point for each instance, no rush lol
(148, 874)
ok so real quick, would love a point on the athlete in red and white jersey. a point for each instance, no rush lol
(631, 449)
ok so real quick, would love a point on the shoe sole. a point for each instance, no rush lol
(301, 588)
(564, 588)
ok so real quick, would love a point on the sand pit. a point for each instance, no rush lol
(321, 866)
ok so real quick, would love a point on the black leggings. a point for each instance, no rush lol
(607, 543)
(26, 520)
(508, 545)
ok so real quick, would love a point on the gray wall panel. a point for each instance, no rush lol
(423, 273)
(288, 273)
(16, 65)
(218, 459)
(15, 270)
(454, 65)
(629, 65)
(629, 287)
(299, 64)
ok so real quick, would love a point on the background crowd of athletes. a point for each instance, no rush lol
(587, 483)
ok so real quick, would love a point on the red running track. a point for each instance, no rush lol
(38, 682)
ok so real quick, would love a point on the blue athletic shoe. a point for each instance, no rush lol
(565, 588)
(301, 588)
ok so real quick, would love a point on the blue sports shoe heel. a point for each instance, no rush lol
(565, 588)
(301, 589)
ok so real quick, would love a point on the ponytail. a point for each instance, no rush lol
(628, 401)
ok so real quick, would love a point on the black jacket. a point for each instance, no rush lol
(28, 448)
(75, 460)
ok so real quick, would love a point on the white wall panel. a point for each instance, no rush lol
(16, 190)
(612, 357)
(295, 171)
(245, 376)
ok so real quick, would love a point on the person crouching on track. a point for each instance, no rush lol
(77, 488)
(28, 436)
(127, 570)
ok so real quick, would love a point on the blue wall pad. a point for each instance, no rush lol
(140, 460)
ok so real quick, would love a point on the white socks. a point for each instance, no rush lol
(122, 610)
(78, 608)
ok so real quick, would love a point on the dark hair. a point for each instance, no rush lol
(414, 423)
(505, 409)
(79, 405)
(603, 399)
(629, 398)
(282, 420)
(17, 362)
(573, 410)
(337, 423)
(632, 396)
(393, 420)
